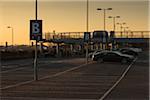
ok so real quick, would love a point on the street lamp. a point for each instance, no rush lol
(129, 33)
(121, 26)
(12, 34)
(114, 20)
(126, 30)
(87, 28)
(104, 14)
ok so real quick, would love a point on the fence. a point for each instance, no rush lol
(76, 35)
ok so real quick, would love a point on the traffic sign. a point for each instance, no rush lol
(36, 30)
(101, 35)
(87, 36)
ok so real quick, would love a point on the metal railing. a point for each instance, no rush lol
(64, 35)
(76, 35)
(133, 34)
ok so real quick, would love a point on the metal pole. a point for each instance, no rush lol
(87, 16)
(104, 26)
(114, 24)
(36, 9)
(0, 75)
(104, 18)
(121, 29)
(12, 36)
(114, 32)
(124, 31)
(35, 59)
(87, 31)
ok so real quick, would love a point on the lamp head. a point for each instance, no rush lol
(99, 8)
(109, 8)
(117, 16)
(110, 17)
(8, 27)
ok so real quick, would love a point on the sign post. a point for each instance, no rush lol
(112, 35)
(35, 34)
(87, 37)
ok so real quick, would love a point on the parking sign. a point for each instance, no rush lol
(36, 30)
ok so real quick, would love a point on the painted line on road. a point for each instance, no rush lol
(60, 73)
(49, 76)
(11, 70)
(23, 66)
(41, 98)
(117, 82)
(15, 85)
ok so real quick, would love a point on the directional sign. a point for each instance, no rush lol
(36, 30)
(105, 36)
(87, 36)
(101, 36)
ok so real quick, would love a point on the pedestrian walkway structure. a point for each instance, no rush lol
(78, 37)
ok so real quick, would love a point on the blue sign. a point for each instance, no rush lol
(87, 36)
(101, 35)
(36, 30)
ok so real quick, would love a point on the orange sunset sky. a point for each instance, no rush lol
(69, 15)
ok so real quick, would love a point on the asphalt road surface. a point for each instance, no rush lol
(71, 79)
(22, 71)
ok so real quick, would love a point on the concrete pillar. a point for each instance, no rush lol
(92, 47)
(41, 47)
(57, 49)
(103, 46)
(71, 49)
(32, 44)
(6, 44)
(97, 46)
(80, 47)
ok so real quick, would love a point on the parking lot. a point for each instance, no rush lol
(61, 79)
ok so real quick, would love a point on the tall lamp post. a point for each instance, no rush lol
(125, 30)
(104, 15)
(114, 21)
(12, 34)
(87, 29)
(121, 26)
(114, 28)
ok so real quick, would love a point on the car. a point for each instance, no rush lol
(137, 50)
(129, 52)
(112, 56)
(91, 54)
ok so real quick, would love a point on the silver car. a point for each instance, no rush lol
(112, 56)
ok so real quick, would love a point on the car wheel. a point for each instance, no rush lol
(124, 61)
(100, 60)
(135, 55)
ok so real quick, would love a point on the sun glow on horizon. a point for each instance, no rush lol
(68, 16)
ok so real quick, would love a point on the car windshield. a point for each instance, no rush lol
(116, 52)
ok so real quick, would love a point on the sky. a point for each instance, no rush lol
(69, 16)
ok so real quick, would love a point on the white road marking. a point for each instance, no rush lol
(15, 69)
(118, 81)
(49, 76)
(11, 70)
(60, 73)
(42, 98)
(42, 62)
